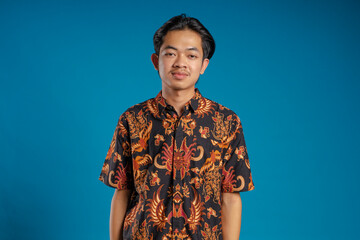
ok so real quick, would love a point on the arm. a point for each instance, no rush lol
(231, 215)
(117, 213)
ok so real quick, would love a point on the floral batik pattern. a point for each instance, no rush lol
(177, 167)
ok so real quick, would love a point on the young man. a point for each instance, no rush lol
(178, 161)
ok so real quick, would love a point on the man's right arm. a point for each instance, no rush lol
(119, 205)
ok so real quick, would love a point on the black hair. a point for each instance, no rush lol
(182, 22)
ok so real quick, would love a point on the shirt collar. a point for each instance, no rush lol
(193, 103)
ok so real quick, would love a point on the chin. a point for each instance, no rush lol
(178, 85)
(183, 87)
(177, 88)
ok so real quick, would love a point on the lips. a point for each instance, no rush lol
(179, 75)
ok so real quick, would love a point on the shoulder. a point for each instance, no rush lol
(219, 109)
(142, 108)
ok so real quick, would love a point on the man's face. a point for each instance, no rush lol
(180, 61)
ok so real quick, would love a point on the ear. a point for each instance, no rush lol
(155, 61)
(205, 63)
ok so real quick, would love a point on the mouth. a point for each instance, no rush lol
(179, 75)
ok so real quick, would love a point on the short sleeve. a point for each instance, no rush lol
(236, 175)
(117, 168)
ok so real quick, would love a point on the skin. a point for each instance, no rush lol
(180, 63)
(231, 207)
(119, 205)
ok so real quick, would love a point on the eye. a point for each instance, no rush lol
(169, 54)
(191, 56)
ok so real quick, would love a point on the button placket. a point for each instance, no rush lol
(178, 138)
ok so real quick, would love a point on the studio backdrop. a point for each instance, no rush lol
(289, 69)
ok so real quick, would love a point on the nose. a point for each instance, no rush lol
(180, 61)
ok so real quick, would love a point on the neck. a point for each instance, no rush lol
(178, 98)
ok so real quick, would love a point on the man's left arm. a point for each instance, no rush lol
(231, 207)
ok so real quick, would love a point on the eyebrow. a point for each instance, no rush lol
(188, 49)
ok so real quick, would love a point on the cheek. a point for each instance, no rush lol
(197, 68)
(163, 66)
(163, 71)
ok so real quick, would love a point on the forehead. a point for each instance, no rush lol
(182, 39)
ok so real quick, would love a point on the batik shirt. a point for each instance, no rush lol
(177, 166)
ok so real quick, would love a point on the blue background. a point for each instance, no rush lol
(289, 69)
